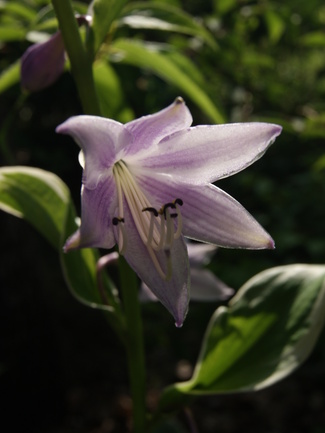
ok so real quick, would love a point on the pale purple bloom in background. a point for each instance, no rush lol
(148, 183)
(43, 63)
(205, 286)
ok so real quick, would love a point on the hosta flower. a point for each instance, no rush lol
(43, 63)
(205, 286)
(148, 183)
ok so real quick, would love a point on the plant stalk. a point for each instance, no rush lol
(135, 345)
(81, 64)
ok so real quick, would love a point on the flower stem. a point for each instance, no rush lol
(81, 64)
(134, 345)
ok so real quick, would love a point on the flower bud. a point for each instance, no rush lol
(42, 64)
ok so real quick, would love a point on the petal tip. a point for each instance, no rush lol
(72, 243)
(179, 100)
(271, 244)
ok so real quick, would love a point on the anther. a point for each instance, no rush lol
(178, 201)
(117, 220)
(165, 207)
(151, 209)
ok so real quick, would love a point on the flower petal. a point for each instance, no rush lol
(209, 214)
(149, 130)
(100, 139)
(173, 294)
(200, 254)
(98, 207)
(205, 286)
(205, 154)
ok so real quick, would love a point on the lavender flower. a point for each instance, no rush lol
(205, 286)
(148, 183)
(43, 63)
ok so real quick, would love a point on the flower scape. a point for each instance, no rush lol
(149, 183)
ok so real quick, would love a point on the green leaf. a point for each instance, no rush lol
(313, 39)
(42, 199)
(269, 329)
(37, 196)
(149, 57)
(18, 9)
(11, 33)
(10, 76)
(108, 88)
(104, 13)
(275, 24)
(163, 16)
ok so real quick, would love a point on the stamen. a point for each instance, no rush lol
(170, 231)
(162, 232)
(151, 209)
(151, 227)
(156, 229)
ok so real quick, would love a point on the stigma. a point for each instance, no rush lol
(158, 228)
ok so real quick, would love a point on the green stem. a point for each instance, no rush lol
(135, 345)
(81, 64)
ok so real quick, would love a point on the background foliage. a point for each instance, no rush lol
(256, 60)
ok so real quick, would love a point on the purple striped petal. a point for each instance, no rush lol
(206, 287)
(100, 139)
(98, 207)
(174, 293)
(209, 214)
(204, 154)
(149, 130)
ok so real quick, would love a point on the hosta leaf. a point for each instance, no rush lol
(149, 57)
(269, 329)
(42, 199)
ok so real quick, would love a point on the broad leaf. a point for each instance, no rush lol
(269, 329)
(42, 199)
(149, 57)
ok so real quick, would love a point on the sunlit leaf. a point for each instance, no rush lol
(313, 39)
(149, 57)
(104, 13)
(37, 196)
(269, 329)
(163, 16)
(42, 199)
(10, 76)
(108, 89)
(275, 24)
(11, 33)
(18, 9)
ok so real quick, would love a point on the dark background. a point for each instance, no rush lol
(62, 369)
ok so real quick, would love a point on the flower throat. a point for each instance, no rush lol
(157, 228)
